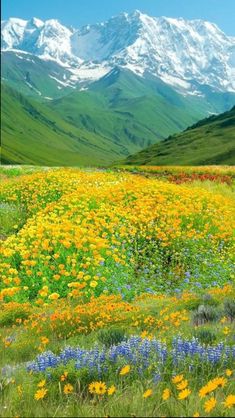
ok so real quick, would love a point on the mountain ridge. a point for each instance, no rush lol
(183, 53)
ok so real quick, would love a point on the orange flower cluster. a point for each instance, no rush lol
(66, 320)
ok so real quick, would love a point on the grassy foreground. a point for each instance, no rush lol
(117, 293)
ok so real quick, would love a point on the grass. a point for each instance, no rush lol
(216, 188)
(12, 218)
(97, 262)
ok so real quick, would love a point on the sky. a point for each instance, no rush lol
(77, 13)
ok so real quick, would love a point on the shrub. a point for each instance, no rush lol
(111, 336)
(205, 336)
(229, 309)
(205, 314)
(206, 300)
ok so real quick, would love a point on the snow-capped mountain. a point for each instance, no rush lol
(184, 54)
(47, 39)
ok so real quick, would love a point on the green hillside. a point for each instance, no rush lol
(210, 141)
(128, 110)
(34, 134)
(119, 115)
(94, 127)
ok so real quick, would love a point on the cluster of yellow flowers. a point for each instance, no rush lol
(84, 221)
(100, 388)
(41, 393)
(163, 322)
(181, 385)
(212, 385)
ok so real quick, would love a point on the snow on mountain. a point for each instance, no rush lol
(48, 40)
(12, 32)
(182, 53)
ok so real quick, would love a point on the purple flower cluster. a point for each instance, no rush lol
(138, 352)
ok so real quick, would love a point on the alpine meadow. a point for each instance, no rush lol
(117, 211)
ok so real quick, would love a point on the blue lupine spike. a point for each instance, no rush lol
(138, 352)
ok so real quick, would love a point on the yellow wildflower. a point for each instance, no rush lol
(64, 376)
(92, 387)
(220, 381)
(166, 394)
(184, 394)
(147, 393)
(226, 330)
(68, 389)
(229, 401)
(93, 283)
(44, 340)
(125, 370)
(177, 379)
(228, 372)
(182, 385)
(210, 404)
(212, 385)
(111, 390)
(100, 388)
(42, 383)
(54, 296)
(40, 394)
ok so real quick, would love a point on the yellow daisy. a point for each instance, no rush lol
(40, 394)
(68, 389)
(100, 388)
(229, 401)
(111, 390)
(125, 370)
(184, 394)
(177, 379)
(92, 387)
(210, 404)
(42, 383)
(147, 393)
(182, 385)
(166, 394)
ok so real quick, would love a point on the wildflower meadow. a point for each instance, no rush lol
(117, 292)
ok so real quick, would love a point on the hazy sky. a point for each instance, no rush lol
(81, 12)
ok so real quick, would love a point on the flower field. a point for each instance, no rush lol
(117, 292)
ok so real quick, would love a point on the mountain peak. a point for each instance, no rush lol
(138, 13)
(36, 22)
